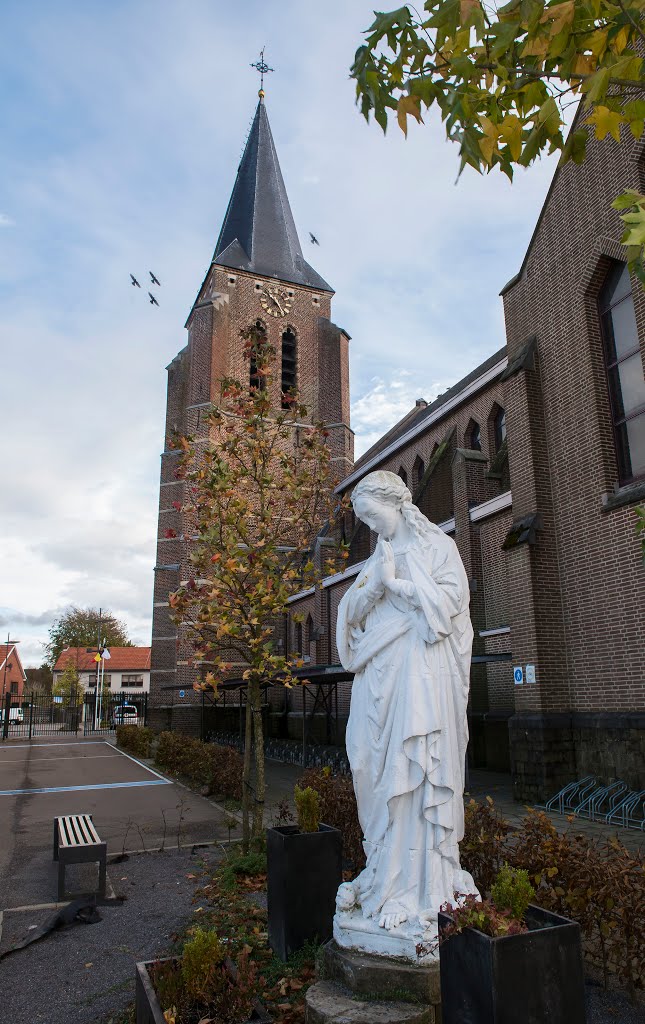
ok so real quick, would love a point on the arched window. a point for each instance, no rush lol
(255, 380)
(298, 638)
(473, 437)
(404, 476)
(499, 428)
(309, 639)
(624, 372)
(418, 469)
(288, 365)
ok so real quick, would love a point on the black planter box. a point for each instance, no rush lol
(148, 1008)
(304, 870)
(534, 978)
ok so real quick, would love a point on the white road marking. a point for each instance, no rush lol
(140, 763)
(71, 743)
(87, 757)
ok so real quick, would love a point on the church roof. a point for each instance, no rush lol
(414, 422)
(259, 233)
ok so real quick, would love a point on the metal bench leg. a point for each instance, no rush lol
(102, 870)
(61, 881)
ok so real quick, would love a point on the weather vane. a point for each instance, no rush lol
(262, 66)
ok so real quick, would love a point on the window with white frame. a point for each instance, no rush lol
(131, 680)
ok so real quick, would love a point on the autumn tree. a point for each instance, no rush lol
(68, 686)
(257, 493)
(79, 627)
(502, 78)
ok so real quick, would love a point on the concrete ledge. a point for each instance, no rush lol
(327, 1003)
(379, 976)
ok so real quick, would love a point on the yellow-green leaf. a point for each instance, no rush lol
(511, 132)
(487, 146)
(408, 105)
(606, 122)
(559, 15)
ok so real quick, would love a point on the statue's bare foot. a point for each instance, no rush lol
(393, 915)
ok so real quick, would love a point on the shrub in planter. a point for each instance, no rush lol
(304, 871)
(338, 809)
(307, 808)
(202, 984)
(503, 960)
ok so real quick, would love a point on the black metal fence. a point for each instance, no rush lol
(43, 714)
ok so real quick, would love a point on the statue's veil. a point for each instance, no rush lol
(390, 489)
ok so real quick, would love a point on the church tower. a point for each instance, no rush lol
(257, 273)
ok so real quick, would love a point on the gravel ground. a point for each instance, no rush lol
(612, 1006)
(85, 974)
(80, 974)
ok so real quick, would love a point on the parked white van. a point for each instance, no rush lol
(16, 716)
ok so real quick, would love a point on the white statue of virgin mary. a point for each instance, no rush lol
(405, 631)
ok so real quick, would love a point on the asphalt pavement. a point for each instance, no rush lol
(133, 807)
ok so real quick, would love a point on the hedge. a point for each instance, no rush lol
(204, 764)
(135, 738)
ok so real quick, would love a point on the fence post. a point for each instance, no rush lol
(5, 724)
(145, 709)
(31, 715)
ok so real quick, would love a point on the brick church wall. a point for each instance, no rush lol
(578, 606)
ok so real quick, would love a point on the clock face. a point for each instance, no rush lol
(275, 300)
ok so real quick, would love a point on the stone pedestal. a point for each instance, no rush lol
(359, 988)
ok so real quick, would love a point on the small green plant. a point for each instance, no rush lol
(238, 865)
(202, 985)
(307, 809)
(512, 891)
(200, 960)
(482, 915)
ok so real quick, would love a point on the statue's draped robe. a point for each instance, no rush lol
(407, 729)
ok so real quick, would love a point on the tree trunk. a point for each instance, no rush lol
(246, 774)
(260, 784)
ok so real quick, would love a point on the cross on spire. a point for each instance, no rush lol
(262, 66)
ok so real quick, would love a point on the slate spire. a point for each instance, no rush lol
(259, 233)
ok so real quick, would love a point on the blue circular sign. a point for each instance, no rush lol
(518, 675)
(182, 693)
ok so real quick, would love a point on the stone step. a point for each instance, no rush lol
(329, 1003)
(380, 977)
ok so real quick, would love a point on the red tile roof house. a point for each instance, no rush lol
(12, 674)
(128, 668)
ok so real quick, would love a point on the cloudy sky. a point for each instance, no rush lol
(122, 124)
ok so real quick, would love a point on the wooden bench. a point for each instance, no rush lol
(76, 841)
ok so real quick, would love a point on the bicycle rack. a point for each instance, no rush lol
(626, 813)
(612, 803)
(568, 798)
(611, 794)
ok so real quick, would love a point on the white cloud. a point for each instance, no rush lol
(383, 404)
(146, 113)
(6, 221)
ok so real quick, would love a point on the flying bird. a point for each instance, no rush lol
(314, 240)
(153, 301)
(155, 280)
(134, 281)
